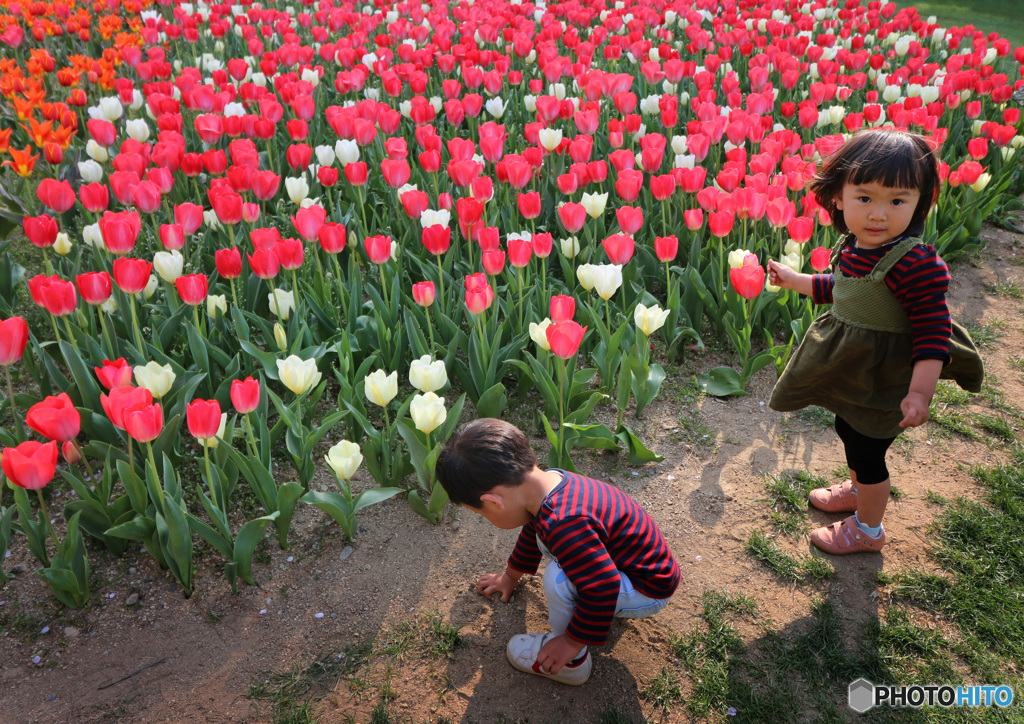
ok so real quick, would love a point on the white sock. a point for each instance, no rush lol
(874, 532)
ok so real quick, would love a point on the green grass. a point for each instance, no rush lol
(770, 553)
(1005, 17)
(788, 498)
(985, 335)
(426, 636)
(663, 689)
(980, 546)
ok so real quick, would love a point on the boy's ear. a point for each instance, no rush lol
(492, 498)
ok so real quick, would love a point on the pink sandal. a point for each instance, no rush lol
(835, 499)
(845, 536)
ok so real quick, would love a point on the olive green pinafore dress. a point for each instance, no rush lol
(855, 359)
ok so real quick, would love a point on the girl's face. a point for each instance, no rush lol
(877, 214)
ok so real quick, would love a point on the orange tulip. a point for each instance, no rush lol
(22, 161)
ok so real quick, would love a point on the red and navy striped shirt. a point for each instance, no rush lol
(595, 531)
(919, 281)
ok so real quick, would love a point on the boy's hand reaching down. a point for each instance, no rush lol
(503, 583)
(558, 652)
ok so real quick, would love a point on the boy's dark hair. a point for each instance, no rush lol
(482, 455)
(897, 159)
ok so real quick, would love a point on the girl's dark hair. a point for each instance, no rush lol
(897, 159)
(482, 455)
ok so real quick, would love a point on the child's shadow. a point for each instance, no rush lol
(493, 690)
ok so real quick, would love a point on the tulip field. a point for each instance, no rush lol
(288, 237)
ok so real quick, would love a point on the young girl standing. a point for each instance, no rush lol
(875, 357)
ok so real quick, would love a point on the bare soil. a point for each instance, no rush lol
(707, 496)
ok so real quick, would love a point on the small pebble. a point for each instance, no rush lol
(671, 477)
(345, 553)
(456, 525)
(71, 632)
(131, 571)
(111, 595)
(19, 569)
(290, 558)
(697, 559)
(46, 629)
(300, 519)
(36, 659)
(132, 600)
(262, 611)
(319, 615)
(54, 697)
(334, 615)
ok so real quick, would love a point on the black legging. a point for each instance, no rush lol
(864, 455)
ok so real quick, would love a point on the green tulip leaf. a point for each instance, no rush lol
(722, 382)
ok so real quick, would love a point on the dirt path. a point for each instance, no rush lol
(322, 598)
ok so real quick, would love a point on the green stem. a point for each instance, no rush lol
(561, 409)
(106, 333)
(440, 279)
(430, 329)
(156, 472)
(88, 467)
(46, 514)
(14, 408)
(252, 438)
(71, 335)
(209, 478)
(56, 329)
(135, 326)
(234, 294)
(385, 433)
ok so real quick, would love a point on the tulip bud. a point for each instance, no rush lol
(216, 304)
(151, 287)
(585, 274)
(344, 459)
(71, 453)
(62, 245)
(570, 247)
(281, 337)
(426, 375)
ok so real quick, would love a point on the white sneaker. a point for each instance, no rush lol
(522, 653)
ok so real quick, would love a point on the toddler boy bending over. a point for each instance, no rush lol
(608, 557)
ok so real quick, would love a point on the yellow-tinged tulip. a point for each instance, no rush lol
(427, 375)
(550, 138)
(344, 459)
(981, 183)
(380, 388)
(736, 257)
(428, 412)
(62, 245)
(155, 377)
(585, 273)
(570, 247)
(792, 261)
(594, 204)
(168, 264)
(649, 320)
(281, 337)
(538, 333)
(297, 374)
(281, 303)
(216, 304)
(607, 279)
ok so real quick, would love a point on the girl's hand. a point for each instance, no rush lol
(780, 275)
(915, 410)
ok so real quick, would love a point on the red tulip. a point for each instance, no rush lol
(542, 245)
(55, 418)
(482, 189)
(332, 237)
(564, 338)
(415, 203)
(396, 173)
(203, 417)
(463, 172)
(290, 253)
(265, 185)
(356, 173)
(666, 247)
(493, 261)
(71, 453)
(378, 248)
(747, 280)
(721, 222)
(800, 229)
(228, 207)
(630, 218)
(57, 296)
(122, 400)
(519, 252)
(821, 259)
(95, 287)
(40, 230)
(189, 216)
(56, 195)
(131, 275)
(976, 147)
(114, 374)
(95, 197)
(144, 423)
(437, 238)
(628, 184)
(308, 220)
(102, 131)
(228, 262)
(120, 230)
(662, 187)
(245, 395)
(479, 294)
(209, 127)
(192, 288)
(172, 236)
(529, 205)
(562, 308)
(423, 293)
(619, 248)
(298, 156)
(13, 338)
(146, 197)
(264, 263)
(30, 465)
(780, 211)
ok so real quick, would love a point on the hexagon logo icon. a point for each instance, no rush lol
(861, 695)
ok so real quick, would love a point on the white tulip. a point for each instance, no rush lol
(585, 273)
(607, 279)
(594, 204)
(216, 305)
(428, 412)
(96, 152)
(538, 333)
(427, 375)
(570, 247)
(649, 320)
(138, 129)
(550, 138)
(736, 257)
(380, 388)
(297, 374)
(111, 108)
(324, 155)
(92, 235)
(496, 107)
(168, 264)
(347, 151)
(90, 171)
(62, 244)
(155, 377)
(297, 188)
(344, 459)
(430, 217)
(282, 303)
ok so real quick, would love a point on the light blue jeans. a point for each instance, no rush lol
(561, 597)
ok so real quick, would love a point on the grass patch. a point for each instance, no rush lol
(663, 689)
(981, 548)
(914, 654)
(985, 335)
(817, 417)
(290, 694)
(1005, 18)
(707, 651)
(1006, 288)
(997, 427)
(425, 636)
(954, 422)
(788, 498)
(935, 498)
(948, 393)
(782, 563)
